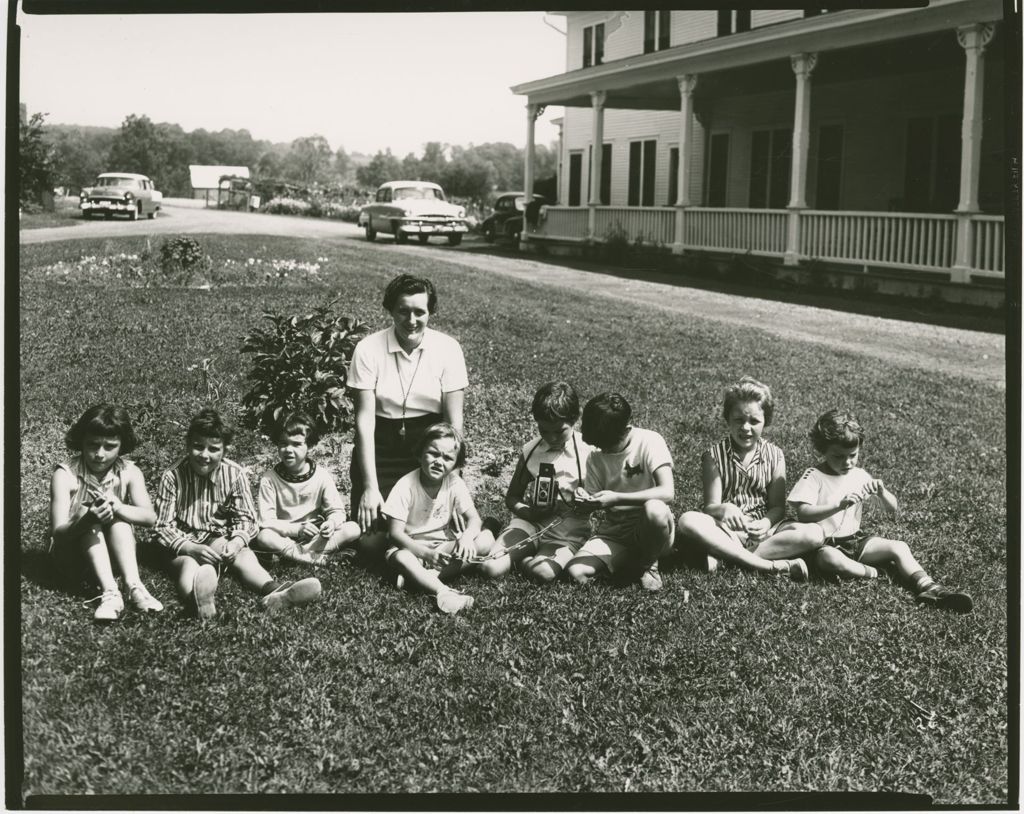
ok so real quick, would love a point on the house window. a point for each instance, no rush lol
(932, 176)
(771, 156)
(641, 173)
(830, 162)
(673, 176)
(733, 21)
(657, 30)
(593, 45)
(718, 169)
(575, 178)
(606, 173)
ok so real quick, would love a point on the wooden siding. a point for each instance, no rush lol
(761, 17)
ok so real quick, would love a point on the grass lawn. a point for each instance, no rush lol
(754, 684)
(65, 213)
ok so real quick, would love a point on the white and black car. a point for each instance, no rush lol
(405, 208)
(123, 193)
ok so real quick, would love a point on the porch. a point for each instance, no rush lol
(849, 202)
(965, 246)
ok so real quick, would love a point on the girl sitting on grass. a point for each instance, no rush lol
(96, 496)
(433, 528)
(745, 494)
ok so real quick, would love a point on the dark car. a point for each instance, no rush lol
(507, 220)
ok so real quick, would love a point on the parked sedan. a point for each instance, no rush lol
(404, 208)
(125, 193)
(507, 220)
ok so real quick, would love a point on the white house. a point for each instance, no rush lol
(871, 137)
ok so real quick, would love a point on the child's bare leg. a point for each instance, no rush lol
(701, 530)
(880, 551)
(95, 545)
(249, 572)
(344, 536)
(185, 569)
(583, 569)
(542, 569)
(655, 531)
(415, 573)
(272, 542)
(500, 566)
(831, 561)
(121, 541)
(794, 540)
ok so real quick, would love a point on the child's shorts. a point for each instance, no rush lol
(559, 543)
(852, 545)
(615, 542)
(742, 538)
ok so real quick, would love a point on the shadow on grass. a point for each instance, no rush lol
(926, 311)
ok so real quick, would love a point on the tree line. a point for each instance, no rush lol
(71, 156)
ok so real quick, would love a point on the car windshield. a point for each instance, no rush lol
(115, 181)
(425, 193)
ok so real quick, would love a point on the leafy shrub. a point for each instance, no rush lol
(181, 258)
(337, 211)
(617, 247)
(286, 206)
(301, 363)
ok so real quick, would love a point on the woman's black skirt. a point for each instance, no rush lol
(394, 455)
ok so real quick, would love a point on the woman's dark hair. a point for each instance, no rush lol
(407, 284)
(606, 420)
(294, 423)
(104, 420)
(556, 401)
(836, 427)
(443, 430)
(208, 423)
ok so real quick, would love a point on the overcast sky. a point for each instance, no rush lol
(363, 81)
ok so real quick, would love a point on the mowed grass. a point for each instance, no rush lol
(754, 684)
(65, 213)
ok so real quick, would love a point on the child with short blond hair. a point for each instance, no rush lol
(833, 494)
(206, 519)
(744, 479)
(300, 511)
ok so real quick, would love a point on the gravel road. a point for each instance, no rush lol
(971, 354)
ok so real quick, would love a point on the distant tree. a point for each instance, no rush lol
(434, 162)
(268, 165)
(507, 162)
(79, 154)
(411, 168)
(382, 167)
(135, 148)
(35, 160)
(309, 160)
(468, 175)
(545, 161)
(342, 166)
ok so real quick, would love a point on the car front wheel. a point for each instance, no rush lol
(371, 233)
(454, 240)
(400, 236)
(87, 214)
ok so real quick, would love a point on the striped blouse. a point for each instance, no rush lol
(188, 505)
(746, 485)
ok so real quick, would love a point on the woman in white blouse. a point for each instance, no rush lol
(405, 378)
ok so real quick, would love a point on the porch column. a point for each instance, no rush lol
(973, 39)
(687, 85)
(597, 99)
(803, 66)
(532, 112)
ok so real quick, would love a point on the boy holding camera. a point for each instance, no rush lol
(546, 529)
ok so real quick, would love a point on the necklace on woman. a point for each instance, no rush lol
(406, 391)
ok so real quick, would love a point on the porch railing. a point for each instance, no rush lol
(567, 222)
(881, 238)
(903, 240)
(988, 235)
(758, 231)
(651, 226)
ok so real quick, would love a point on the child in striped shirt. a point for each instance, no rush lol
(301, 514)
(206, 518)
(745, 494)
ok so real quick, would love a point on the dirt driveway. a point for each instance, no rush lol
(972, 354)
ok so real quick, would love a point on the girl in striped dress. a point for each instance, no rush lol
(745, 494)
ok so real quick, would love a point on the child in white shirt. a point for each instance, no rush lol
(833, 493)
(300, 512)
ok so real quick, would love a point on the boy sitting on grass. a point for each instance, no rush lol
(629, 475)
(833, 493)
(301, 514)
(206, 518)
